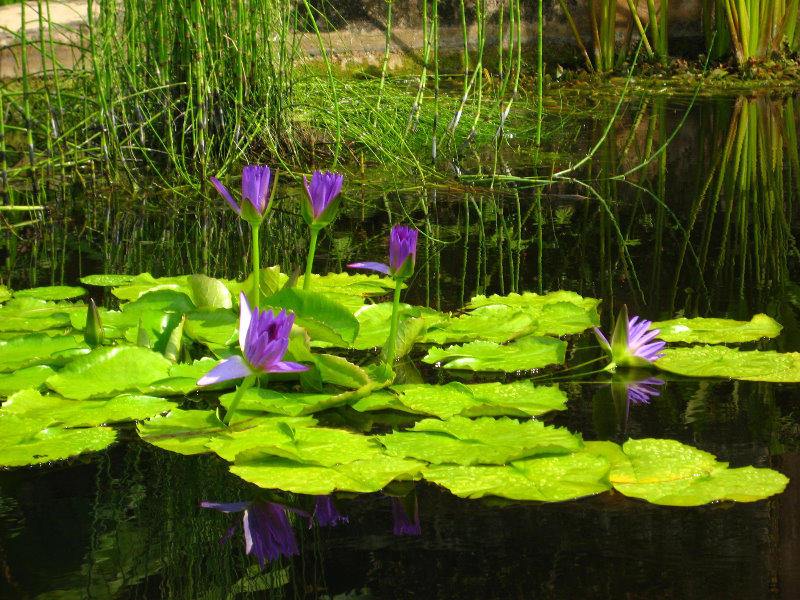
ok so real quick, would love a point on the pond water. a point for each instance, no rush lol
(705, 228)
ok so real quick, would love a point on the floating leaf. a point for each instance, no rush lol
(56, 410)
(521, 355)
(30, 377)
(208, 292)
(32, 314)
(282, 403)
(501, 322)
(531, 300)
(492, 323)
(364, 476)
(38, 348)
(145, 283)
(5, 293)
(51, 292)
(543, 479)
(519, 398)
(158, 325)
(310, 445)
(670, 473)
(182, 431)
(109, 371)
(721, 361)
(166, 300)
(214, 325)
(718, 331)
(107, 280)
(374, 322)
(324, 319)
(20, 446)
(481, 441)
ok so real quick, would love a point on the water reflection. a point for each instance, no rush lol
(706, 227)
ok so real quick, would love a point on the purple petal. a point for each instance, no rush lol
(287, 367)
(233, 367)
(601, 339)
(403, 244)
(245, 316)
(226, 507)
(374, 266)
(268, 533)
(255, 186)
(326, 514)
(225, 194)
(403, 525)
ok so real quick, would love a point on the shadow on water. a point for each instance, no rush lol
(704, 227)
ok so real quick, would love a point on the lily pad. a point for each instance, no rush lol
(521, 355)
(531, 300)
(52, 292)
(108, 280)
(29, 377)
(543, 479)
(324, 319)
(481, 441)
(718, 331)
(670, 473)
(56, 410)
(19, 446)
(375, 320)
(32, 314)
(519, 398)
(208, 292)
(38, 348)
(182, 431)
(721, 361)
(283, 403)
(310, 445)
(145, 283)
(364, 476)
(109, 371)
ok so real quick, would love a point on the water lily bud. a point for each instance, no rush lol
(93, 335)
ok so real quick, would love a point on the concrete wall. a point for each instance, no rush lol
(354, 31)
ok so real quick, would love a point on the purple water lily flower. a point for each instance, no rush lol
(403, 524)
(631, 343)
(267, 531)
(326, 513)
(402, 254)
(263, 339)
(255, 189)
(320, 208)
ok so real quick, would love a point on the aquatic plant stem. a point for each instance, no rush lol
(256, 265)
(312, 248)
(388, 350)
(246, 384)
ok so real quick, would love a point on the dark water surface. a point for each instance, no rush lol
(707, 228)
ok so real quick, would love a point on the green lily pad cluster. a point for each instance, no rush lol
(63, 396)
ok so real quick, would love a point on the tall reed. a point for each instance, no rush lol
(750, 29)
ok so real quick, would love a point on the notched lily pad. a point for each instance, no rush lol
(518, 398)
(480, 441)
(22, 443)
(542, 479)
(521, 355)
(718, 331)
(109, 371)
(721, 361)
